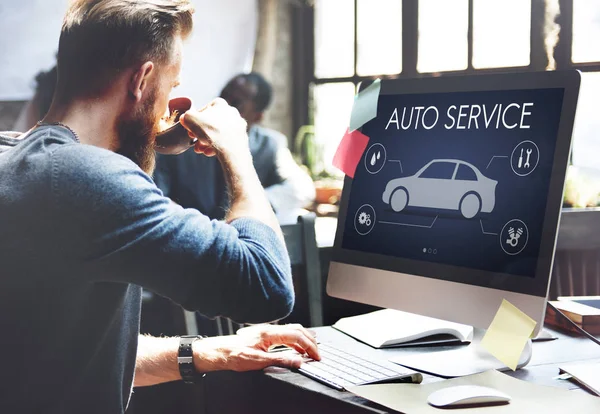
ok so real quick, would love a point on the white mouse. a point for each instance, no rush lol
(466, 395)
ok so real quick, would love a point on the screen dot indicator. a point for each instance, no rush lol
(424, 250)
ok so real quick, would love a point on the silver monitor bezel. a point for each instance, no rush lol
(371, 278)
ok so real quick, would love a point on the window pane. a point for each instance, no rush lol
(501, 33)
(334, 38)
(586, 141)
(439, 171)
(586, 31)
(443, 41)
(465, 173)
(379, 37)
(332, 108)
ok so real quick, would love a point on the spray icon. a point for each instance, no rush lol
(375, 157)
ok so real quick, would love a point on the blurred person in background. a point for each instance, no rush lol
(288, 187)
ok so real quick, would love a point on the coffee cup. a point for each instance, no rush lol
(175, 139)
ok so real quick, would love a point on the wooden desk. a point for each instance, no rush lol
(278, 390)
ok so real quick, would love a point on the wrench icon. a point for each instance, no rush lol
(529, 151)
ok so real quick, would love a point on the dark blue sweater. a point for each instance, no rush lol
(82, 229)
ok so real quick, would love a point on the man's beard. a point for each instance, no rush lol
(137, 134)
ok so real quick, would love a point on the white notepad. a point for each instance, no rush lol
(586, 374)
(391, 328)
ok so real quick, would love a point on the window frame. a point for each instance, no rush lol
(466, 167)
(304, 56)
(433, 164)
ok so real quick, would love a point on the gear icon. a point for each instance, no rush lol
(364, 219)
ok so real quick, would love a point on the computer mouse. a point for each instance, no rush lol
(467, 395)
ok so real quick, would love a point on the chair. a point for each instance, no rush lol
(302, 247)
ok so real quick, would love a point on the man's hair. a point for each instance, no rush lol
(264, 91)
(101, 38)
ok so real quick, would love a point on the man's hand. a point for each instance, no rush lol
(219, 128)
(248, 350)
(221, 131)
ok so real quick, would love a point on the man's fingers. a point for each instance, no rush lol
(309, 333)
(210, 152)
(308, 346)
(292, 335)
(281, 359)
(193, 122)
(253, 359)
(306, 339)
(218, 101)
(203, 146)
(295, 339)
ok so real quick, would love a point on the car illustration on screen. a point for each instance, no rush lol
(444, 184)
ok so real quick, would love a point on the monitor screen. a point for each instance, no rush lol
(456, 178)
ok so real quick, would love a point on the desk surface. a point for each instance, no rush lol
(279, 390)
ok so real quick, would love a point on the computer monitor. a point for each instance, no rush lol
(456, 201)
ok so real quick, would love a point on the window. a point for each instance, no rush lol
(465, 173)
(586, 145)
(334, 38)
(333, 105)
(358, 40)
(439, 170)
(443, 41)
(586, 31)
(379, 36)
(501, 32)
(585, 56)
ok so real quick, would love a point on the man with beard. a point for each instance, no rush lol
(84, 227)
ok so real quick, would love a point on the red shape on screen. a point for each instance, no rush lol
(349, 152)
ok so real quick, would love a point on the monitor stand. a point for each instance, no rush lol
(460, 361)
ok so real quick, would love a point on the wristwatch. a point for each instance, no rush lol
(185, 359)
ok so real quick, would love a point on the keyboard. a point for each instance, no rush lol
(341, 369)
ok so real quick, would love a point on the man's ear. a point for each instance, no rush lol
(139, 80)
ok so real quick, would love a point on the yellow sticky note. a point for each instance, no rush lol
(508, 333)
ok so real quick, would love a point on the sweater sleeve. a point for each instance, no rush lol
(116, 224)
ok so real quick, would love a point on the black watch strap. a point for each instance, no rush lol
(185, 359)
